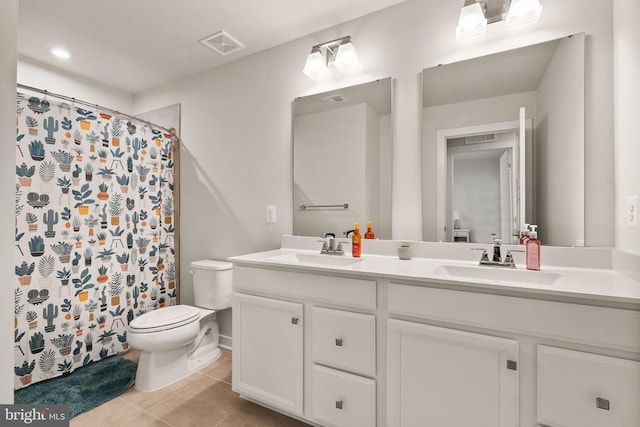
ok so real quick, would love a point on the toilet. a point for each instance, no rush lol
(178, 340)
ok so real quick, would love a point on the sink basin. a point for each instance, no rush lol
(499, 274)
(317, 259)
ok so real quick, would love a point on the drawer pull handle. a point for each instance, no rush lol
(339, 342)
(294, 320)
(512, 364)
(544, 425)
(602, 404)
(338, 404)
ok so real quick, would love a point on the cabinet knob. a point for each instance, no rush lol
(512, 364)
(602, 403)
(339, 342)
(294, 320)
(339, 404)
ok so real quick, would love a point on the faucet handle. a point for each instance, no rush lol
(484, 257)
(325, 247)
(339, 250)
(508, 258)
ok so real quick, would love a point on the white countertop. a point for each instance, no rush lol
(598, 286)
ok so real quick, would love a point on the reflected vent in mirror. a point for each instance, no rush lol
(333, 99)
(480, 139)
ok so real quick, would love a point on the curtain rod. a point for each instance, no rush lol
(172, 131)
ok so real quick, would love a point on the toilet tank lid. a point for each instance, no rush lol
(210, 264)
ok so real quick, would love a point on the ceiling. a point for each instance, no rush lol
(134, 45)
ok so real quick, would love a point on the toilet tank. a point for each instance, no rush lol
(212, 284)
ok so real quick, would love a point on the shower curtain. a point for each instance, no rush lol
(94, 244)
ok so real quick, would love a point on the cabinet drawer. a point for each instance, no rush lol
(597, 326)
(331, 289)
(344, 340)
(341, 399)
(583, 389)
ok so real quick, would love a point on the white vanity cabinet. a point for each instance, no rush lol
(267, 351)
(449, 377)
(569, 384)
(588, 390)
(351, 348)
(305, 344)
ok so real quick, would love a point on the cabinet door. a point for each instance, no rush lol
(577, 389)
(267, 351)
(449, 378)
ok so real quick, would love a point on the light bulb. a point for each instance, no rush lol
(315, 66)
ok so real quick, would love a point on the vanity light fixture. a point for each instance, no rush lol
(477, 14)
(472, 22)
(523, 12)
(339, 53)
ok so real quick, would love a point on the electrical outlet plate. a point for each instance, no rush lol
(632, 211)
(271, 214)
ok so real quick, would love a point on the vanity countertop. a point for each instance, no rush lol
(585, 285)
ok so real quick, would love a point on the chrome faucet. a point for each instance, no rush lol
(330, 247)
(496, 260)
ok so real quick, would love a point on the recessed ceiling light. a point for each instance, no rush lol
(60, 52)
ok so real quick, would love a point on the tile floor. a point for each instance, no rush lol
(203, 399)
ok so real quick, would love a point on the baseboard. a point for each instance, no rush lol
(225, 342)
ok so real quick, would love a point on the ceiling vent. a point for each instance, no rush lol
(222, 43)
(333, 99)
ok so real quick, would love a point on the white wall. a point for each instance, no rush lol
(236, 119)
(41, 76)
(627, 109)
(236, 126)
(8, 43)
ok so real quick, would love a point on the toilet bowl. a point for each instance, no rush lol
(178, 340)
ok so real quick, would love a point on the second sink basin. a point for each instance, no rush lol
(499, 274)
(317, 259)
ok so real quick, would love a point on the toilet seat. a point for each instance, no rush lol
(165, 318)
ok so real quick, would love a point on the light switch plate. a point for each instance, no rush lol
(271, 214)
(632, 211)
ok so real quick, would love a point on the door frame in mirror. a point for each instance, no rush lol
(524, 182)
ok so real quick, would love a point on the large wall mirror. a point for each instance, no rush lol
(503, 145)
(342, 146)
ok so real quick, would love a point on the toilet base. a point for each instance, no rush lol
(159, 369)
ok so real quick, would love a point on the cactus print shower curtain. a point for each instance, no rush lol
(94, 233)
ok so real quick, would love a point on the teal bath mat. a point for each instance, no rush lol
(84, 388)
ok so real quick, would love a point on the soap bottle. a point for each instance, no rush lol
(525, 234)
(533, 250)
(369, 233)
(355, 241)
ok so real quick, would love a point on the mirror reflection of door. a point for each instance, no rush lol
(486, 172)
(483, 200)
